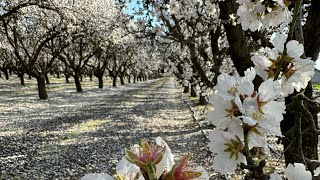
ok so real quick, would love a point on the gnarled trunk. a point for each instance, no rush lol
(238, 48)
(114, 81)
(47, 79)
(100, 79)
(202, 100)
(42, 87)
(186, 89)
(121, 80)
(129, 79)
(77, 82)
(193, 91)
(21, 76)
(6, 74)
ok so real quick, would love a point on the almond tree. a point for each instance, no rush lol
(87, 29)
(28, 32)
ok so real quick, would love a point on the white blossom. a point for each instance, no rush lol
(297, 172)
(227, 148)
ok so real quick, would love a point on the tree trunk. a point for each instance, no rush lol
(58, 75)
(311, 31)
(78, 83)
(6, 74)
(202, 100)
(47, 79)
(114, 81)
(90, 76)
(129, 79)
(134, 78)
(21, 76)
(186, 89)
(81, 78)
(121, 80)
(238, 45)
(100, 78)
(309, 145)
(67, 78)
(193, 91)
(42, 87)
(29, 77)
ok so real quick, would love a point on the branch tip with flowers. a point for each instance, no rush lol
(153, 162)
(243, 116)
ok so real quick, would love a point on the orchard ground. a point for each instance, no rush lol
(72, 134)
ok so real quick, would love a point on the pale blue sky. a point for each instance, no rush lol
(131, 5)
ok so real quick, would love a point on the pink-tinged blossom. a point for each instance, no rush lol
(183, 170)
(144, 154)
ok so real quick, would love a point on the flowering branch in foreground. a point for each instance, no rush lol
(152, 162)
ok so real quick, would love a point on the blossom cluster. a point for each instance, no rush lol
(296, 72)
(152, 162)
(243, 114)
(261, 14)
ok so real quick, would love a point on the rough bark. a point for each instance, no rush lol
(121, 80)
(77, 82)
(47, 79)
(42, 87)
(310, 37)
(193, 92)
(186, 89)
(238, 48)
(67, 78)
(6, 74)
(129, 79)
(114, 81)
(197, 66)
(21, 76)
(311, 31)
(100, 79)
(202, 100)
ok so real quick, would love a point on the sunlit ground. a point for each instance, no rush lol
(71, 134)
